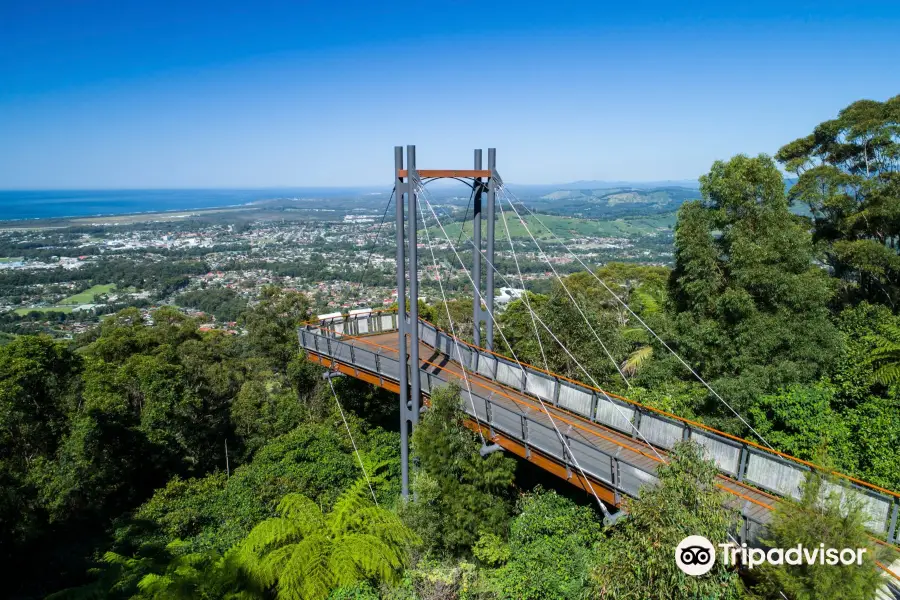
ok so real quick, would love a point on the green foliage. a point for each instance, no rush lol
(491, 550)
(204, 575)
(820, 517)
(271, 325)
(459, 493)
(886, 355)
(801, 422)
(751, 307)
(849, 175)
(216, 511)
(305, 554)
(637, 555)
(360, 591)
(550, 549)
(223, 303)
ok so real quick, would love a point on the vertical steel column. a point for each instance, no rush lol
(401, 322)
(476, 254)
(415, 395)
(489, 294)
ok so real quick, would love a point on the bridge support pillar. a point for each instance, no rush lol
(415, 384)
(489, 294)
(476, 253)
(399, 189)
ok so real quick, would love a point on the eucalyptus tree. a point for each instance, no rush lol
(750, 303)
(848, 173)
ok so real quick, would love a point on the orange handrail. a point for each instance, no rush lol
(690, 422)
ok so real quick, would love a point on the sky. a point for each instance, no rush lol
(135, 94)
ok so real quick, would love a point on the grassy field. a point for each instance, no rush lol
(565, 228)
(48, 309)
(8, 259)
(87, 296)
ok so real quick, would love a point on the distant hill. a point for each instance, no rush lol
(602, 203)
(643, 185)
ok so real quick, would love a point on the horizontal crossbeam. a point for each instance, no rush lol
(442, 173)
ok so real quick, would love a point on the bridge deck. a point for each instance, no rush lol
(754, 504)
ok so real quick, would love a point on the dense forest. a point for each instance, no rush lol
(148, 459)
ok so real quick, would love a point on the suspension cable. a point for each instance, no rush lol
(374, 239)
(450, 320)
(568, 292)
(512, 249)
(540, 400)
(647, 327)
(572, 357)
(355, 449)
(465, 216)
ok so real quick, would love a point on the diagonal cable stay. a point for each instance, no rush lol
(543, 406)
(641, 321)
(449, 320)
(566, 350)
(566, 289)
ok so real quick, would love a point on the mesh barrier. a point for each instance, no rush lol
(387, 322)
(487, 365)
(592, 461)
(545, 438)
(774, 475)
(363, 358)
(506, 420)
(631, 479)
(509, 374)
(429, 336)
(362, 326)
(539, 385)
(875, 508)
(389, 367)
(574, 399)
(479, 403)
(466, 356)
(726, 456)
(660, 432)
(615, 415)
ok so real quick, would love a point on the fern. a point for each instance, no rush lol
(636, 359)
(885, 357)
(303, 554)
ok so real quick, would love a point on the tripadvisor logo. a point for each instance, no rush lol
(695, 555)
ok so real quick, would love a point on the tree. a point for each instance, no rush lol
(802, 421)
(550, 549)
(460, 494)
(637, 555)
(271, 325)
(848, 172)
(305, 554)
(819, 517)
(751, 307)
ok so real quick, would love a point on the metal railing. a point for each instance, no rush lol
(741, 460)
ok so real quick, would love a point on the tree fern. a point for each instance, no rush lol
(199, 575)
(303, 554)
(636, 359)
(885, 357)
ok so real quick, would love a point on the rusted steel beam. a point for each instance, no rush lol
(429, 173)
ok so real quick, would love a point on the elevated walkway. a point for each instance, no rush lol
(599, 427)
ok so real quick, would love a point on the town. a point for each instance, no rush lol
(63, 280)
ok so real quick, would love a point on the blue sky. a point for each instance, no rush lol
(216, 94)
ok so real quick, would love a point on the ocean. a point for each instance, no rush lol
(48, 204)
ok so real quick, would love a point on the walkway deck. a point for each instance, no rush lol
(754, 504)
